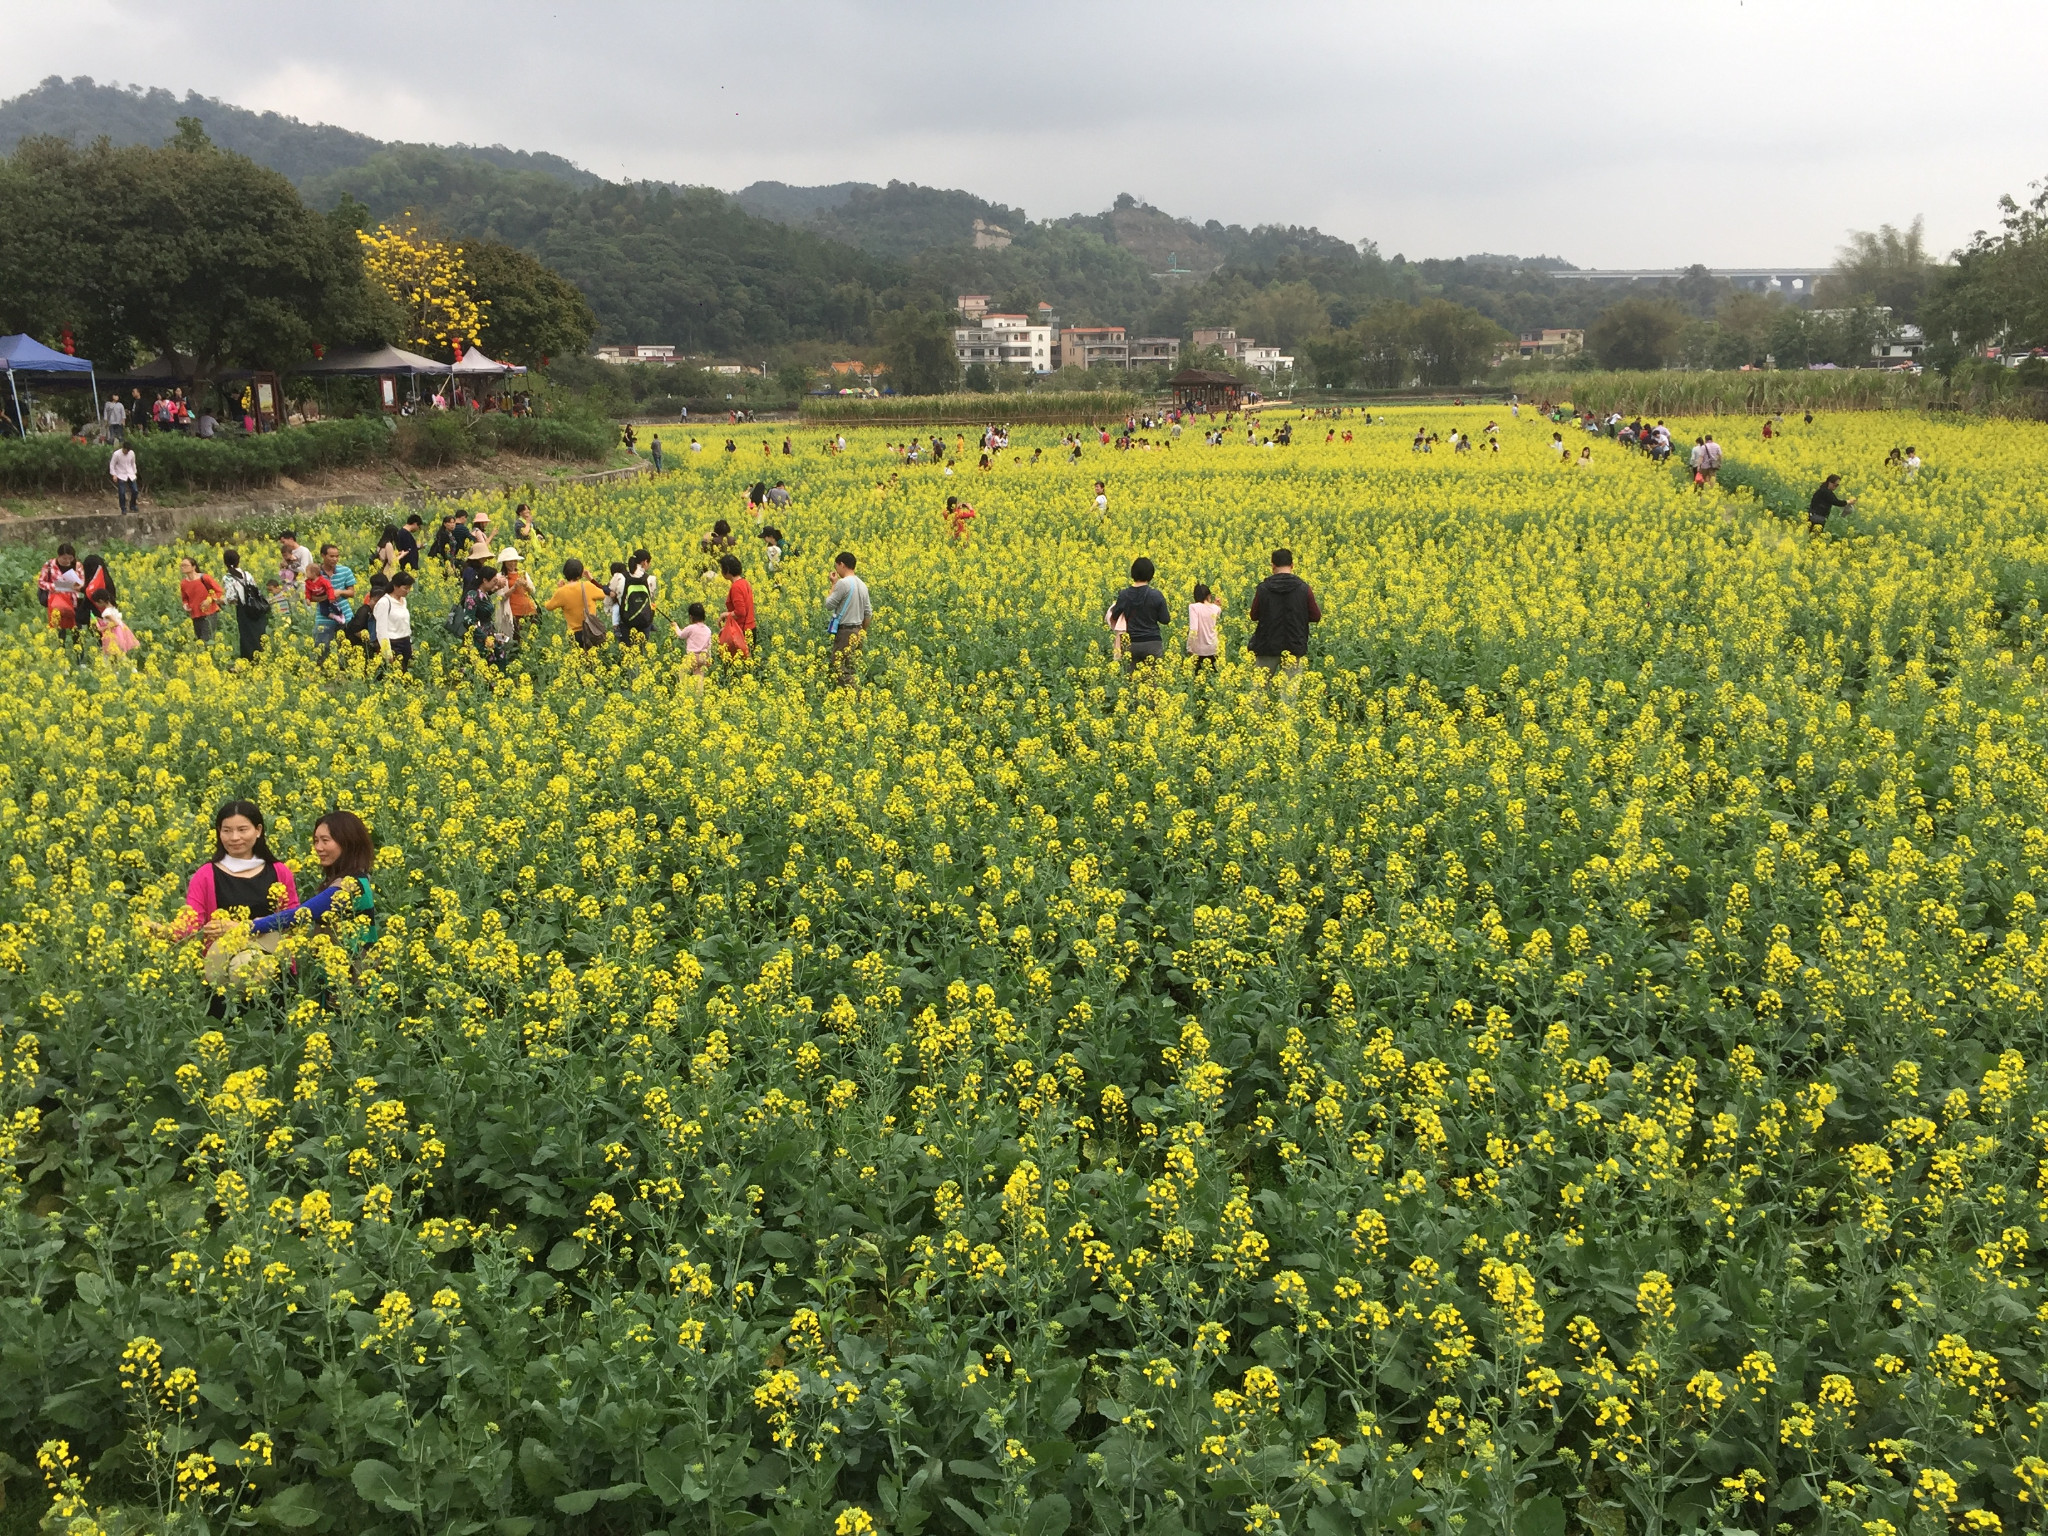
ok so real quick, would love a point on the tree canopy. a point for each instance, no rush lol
(186, 248)
(1886, 266)
(532, 313)
(1997, 292)
(1638, 332)
(918, 346)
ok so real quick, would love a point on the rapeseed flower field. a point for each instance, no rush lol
(1574, 1059)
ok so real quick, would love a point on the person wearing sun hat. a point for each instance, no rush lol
(480, 536)
(521, 601)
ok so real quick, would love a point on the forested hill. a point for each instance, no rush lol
(776, 264)
(82, 110)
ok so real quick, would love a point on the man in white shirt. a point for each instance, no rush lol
(115, 415)
(122, 467)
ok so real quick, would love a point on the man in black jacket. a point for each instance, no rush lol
(1282, 609)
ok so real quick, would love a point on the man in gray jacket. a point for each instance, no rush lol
(850, 609)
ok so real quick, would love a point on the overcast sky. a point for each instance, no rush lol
(1724, 131)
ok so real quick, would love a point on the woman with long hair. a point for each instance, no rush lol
(342, 844)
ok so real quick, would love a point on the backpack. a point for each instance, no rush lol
(470, 610)
(594, 626)
(254, 602)
(635, 599)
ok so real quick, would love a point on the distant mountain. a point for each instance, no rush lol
(897, 221)
(683, 265)
(776, 263)
(785, 204)
(81, 110)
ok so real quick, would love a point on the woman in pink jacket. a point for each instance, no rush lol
(236, 884)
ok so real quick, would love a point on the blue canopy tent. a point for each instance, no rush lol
(24, 354)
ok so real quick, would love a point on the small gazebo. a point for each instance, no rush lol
(1205, 389)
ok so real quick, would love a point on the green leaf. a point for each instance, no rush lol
(973, 1521)
(1272, 1347)
(565, 1255)
(1065, 1414)
(378, 1484)
(583, 1500)
(975, 1469)
(668, 1476)
(1540, 1517)
(781, 1245)
(539, 1465)
(91, 1288)
(295, 1507)
(1048, 1516)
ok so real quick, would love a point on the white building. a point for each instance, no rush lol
(1904, 345)
(1265, 359)
(636, 354)
(1005, 340)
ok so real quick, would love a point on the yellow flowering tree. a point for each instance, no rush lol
(430, 282)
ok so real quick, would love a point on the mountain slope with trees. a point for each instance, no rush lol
(82, 109)
(804, 271)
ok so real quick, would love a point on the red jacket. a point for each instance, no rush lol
(739, 602)
(201, 595)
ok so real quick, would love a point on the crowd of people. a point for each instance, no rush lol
(496, 606)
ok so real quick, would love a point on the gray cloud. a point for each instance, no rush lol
(1611, 134)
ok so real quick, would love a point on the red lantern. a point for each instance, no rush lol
(320, 351)
(65, 342)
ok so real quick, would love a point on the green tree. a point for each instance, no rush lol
(535, 314)
(183, 248)
(794, 378)
(917, 344)
(1453, 344)
(1285, 314)
(1333, 361)
(1700, 291)
(1637, 333)
(1745, 319)
(1997, 292)
(1884, 266)
(1384, 337)
(977, 379)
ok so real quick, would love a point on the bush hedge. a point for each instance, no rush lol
(1063, 405)
(1675, 392)
(167, 461)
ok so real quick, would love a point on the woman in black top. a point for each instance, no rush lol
(238, 878)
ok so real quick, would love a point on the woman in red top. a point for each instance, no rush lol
(201, 594)
(739, 603)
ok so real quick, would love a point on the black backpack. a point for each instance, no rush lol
(636, 598)
(254, 601)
